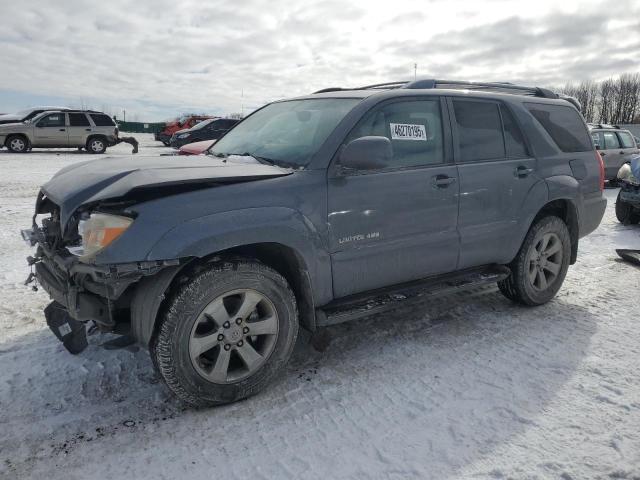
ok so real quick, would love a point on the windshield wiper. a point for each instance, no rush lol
(263, 160)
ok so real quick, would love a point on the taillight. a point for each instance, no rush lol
(601, 163)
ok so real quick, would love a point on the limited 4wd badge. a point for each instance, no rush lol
(407, 131)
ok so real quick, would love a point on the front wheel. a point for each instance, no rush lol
(226, 334)
(17, 144)
(541, 265)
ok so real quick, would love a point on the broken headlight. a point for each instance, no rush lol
(97, 232)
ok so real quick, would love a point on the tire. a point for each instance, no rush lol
(188, 347)
(96, 145)
(535, 279)
(17, 144)
(625, 213)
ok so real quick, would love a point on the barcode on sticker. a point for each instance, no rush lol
(407, 131)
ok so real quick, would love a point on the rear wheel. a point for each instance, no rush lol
(226, 334)
(96, 145)
(17, 144)
(625, 213)
(539, 269)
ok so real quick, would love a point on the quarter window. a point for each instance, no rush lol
(626, 140)
(414, 129)
(479, 130)
(102, 120)
(52, 120)
(78, 120)
(611, 140)
(564, 125)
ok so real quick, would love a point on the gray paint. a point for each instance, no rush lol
(354, 232)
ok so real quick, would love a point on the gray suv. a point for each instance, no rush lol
(615, 145)
(92, 130)
(313, 211)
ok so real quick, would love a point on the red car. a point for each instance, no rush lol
(196, 148)
(186, 121)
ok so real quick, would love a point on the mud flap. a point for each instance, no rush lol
(70, 332)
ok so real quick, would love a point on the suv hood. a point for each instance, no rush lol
(123, 178)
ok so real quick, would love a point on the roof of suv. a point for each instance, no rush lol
(435, 87)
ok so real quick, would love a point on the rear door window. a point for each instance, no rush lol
(513, 138)
(611, 140)
(102, 120)
(78, 120)
(564, 125)
(626, 140)
(479, 130)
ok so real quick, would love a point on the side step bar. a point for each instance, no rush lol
(364, 305)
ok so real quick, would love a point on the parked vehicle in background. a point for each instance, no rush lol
(196, 148)
(628, 201)
(28, 114)
(313, 211)
(211, 129)
(88, 129)
(182, 123)
(615, 146)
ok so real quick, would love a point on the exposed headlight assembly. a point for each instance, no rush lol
(97, 232)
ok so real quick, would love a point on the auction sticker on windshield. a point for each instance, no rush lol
(407, 131)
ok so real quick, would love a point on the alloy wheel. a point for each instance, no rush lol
(233, 336)
(545, 261)
(17, 144)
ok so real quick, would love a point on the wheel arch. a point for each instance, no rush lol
(566, 210)
(150, 294)
(21, 135)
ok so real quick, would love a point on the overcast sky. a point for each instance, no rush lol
(163, 57)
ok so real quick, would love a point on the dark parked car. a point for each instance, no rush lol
(306, 211)
(207, 130)
(628, 201)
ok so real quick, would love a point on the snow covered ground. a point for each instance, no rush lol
(473, 388)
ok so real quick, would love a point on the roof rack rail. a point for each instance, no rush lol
(428, 83)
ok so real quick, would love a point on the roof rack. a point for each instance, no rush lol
(604, 126)
(500, 87)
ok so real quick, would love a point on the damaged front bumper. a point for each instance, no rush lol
(83, 292)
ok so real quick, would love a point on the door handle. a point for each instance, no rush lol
(62, 130)
(622, 152)
(522, 171)
(87, 129)
(443, 181)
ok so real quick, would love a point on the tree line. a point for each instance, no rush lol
(613, 101)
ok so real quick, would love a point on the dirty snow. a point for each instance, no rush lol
(478, 389)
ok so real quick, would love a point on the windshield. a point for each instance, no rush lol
(202, 124)
(285, 132)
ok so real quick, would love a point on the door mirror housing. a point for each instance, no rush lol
(367, 153)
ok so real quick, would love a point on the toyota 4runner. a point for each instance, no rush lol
(94, 131)
(312, 211)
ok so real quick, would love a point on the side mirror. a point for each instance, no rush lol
(366, 153)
